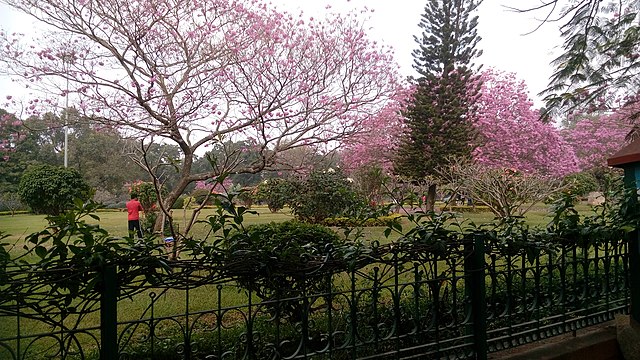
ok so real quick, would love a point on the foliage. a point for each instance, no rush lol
(11, 202)
(246, 196)
(439, 120)
(276, 193)
(596, 138)
(324, 194)
(466, 208)
(50, 189)
(511, 134)
(66, 278)
(146, 193)
(610, 181)
(369, 181)
(289, 263)
(179, 204)
(271, 78)
(97, 152)
(9, 134)
(507, 192)
(350, 222)
(376, 145)
(581, 183)
(599, 64)
(202, 196)
(278, 248)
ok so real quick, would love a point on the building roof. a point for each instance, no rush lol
(628, 154)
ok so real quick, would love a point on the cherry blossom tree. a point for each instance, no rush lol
(195, 73)
(512, 134)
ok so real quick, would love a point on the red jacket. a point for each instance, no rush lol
(134, 208)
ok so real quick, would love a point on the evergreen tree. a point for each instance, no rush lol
(439, 122)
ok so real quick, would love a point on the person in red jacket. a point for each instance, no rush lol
(134, 208)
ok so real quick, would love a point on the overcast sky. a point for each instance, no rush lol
(504, 43)
(395, 23)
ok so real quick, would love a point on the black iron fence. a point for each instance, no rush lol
(461, 302)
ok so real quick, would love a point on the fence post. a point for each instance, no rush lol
(109, 313)
(474, 266)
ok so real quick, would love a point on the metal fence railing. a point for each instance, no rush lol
(465, 302)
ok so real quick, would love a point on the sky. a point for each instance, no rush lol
(504, 43)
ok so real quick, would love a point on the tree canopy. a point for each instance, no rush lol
(439, 120)
(600, 63)
(511, 133)
(198, 73)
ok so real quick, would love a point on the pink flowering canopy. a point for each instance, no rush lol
(596, 138)
(9, 134)
(199, 72)
(512, 134)
(378, 142)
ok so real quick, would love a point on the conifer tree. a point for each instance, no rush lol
(439, 121)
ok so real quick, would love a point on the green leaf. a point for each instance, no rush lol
(41, 251)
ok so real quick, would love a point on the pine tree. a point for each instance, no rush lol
(439, 122)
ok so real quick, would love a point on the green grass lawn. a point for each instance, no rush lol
(203, 298)
(21, 225)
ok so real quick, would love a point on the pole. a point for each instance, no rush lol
(109, 313)
(66, 125)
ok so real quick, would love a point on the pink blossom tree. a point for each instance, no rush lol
(9, 134)
(595, 138)
(195, 73)
(376, 145)
(512, 134)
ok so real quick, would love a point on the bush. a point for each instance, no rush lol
(276, 193)
(325, 194)
(146, 192)
(467, 209)
(275, 256)
(246, 197)
(353, 222)
(179, 203)
(51, 190)
(200, 195)
(581, 183)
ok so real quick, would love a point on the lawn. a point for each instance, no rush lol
(173, 301)
(114, 221)
(21, 225)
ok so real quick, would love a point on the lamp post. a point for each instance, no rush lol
(67, 59)
(66, 127)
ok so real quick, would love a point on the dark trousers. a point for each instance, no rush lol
(135, 225)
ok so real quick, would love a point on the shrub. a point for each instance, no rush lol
(276, 255)
(146, 192)
(581, 183)
(325, 194)
(50, 190)
(276, 193)
(200, 195)
(352, 222)
(467, 209)
(179, 203)
(246, 196)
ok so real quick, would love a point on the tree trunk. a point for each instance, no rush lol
(431, 198)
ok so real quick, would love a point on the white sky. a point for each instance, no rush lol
(396, 22)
